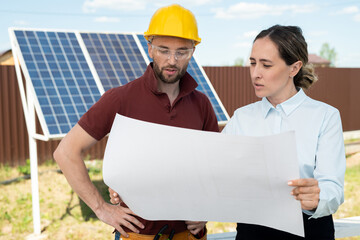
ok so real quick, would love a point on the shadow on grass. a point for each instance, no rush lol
(86, 212)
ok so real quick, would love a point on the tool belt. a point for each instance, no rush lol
(185, 235)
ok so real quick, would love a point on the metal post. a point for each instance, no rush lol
(29, 113)
(33, 162)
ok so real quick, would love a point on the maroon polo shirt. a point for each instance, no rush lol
(141, 100)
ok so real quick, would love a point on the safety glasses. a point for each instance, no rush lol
(179, 55)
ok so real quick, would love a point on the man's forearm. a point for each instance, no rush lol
(77, 176)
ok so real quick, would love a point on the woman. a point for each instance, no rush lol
(279, 72)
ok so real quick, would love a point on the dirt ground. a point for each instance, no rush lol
(353, 160)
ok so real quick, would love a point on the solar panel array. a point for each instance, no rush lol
(70, 70)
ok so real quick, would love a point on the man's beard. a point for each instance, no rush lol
(174, 79)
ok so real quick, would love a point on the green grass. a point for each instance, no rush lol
(65, 216)
(352, 140)
(24, 169)
(351, 206)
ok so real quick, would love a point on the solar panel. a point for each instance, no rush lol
(116, 58)
(204, 84)
(205, 87)
(64, 85)
(143, 43)
(69, 70)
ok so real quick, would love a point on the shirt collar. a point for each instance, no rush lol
(187, 83)
(288, 106)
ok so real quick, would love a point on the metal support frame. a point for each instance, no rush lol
(33, 164)
(29, 112)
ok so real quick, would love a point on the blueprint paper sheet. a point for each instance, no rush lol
(170, 173)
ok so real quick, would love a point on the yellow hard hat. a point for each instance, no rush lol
(175, 21)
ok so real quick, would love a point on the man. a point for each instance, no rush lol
(165, 94)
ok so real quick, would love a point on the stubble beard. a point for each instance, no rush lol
(161, 76)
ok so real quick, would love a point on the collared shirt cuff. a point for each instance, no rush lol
(319, 212)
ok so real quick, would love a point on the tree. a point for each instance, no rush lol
(239, 62)
(328, 53)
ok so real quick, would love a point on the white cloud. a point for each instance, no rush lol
(187, 2)
(318, 33)
(244, 44)
(308, 8)
(107, 19)
(127, 5)
(245, 10)
(348, 60)
(349, 10)
(245, 39)
(251, 34)
(134, 5)
(21, 23)
(357, 17)
(202, 2)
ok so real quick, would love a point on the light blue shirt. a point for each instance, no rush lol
(319, 140)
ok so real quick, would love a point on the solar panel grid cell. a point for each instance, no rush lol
(116, 58)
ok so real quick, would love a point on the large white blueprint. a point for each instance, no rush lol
(170, 173)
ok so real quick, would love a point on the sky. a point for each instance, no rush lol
(226, 27)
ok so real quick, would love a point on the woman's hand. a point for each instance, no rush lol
(307, 191)
(195, 227)
(114, 197)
